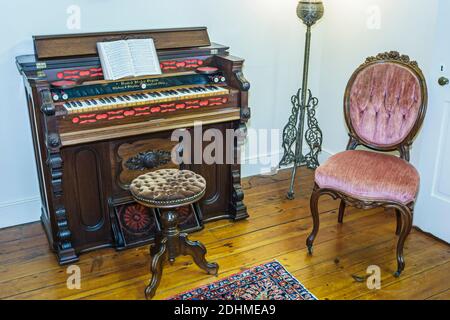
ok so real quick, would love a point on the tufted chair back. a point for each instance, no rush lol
(385, 102)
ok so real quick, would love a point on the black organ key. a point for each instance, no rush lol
(102, 100)
(113, 99)
(107, 100)
(94, 102)
(127, 98)
(79, 103)
(120, 98)
(88, 102)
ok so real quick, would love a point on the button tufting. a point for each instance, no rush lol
(163, 187)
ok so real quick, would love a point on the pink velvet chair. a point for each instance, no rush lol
(384, 105)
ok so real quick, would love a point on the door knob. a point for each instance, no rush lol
(443, 81)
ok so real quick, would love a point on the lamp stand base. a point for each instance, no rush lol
(293, 135)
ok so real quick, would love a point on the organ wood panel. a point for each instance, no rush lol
(216, 201)
(86, 44)
(85, 191)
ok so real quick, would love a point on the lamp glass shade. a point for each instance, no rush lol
(310, 11)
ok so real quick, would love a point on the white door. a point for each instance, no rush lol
(432, 213)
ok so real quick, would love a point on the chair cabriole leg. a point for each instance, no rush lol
(406, 223)
(341, 212)
(314, 201)
(399, 222)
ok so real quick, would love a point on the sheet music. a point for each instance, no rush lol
(128, 58)
(144, 56)
(116, 59)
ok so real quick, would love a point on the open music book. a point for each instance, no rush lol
(128, 58)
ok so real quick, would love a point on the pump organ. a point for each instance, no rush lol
(92, 137)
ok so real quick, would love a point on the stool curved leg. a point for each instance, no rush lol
(314, 201)
(156, 269)
(406, 226)
(197, 251)
(341, 212)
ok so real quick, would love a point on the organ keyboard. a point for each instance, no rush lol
(93, 136)
(110, 102)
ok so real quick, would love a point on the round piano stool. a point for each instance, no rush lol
(170, 189)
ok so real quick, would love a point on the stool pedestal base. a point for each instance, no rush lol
(171, 244)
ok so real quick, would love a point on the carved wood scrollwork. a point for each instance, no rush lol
(237, 203)
(64, 247)
(245, 114)
(53, 140)
(148, 160)
(243, 82)
(392, 55)
(141, 156)
(64, 233)
(47, 106)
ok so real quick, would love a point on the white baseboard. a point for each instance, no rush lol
(20, 211)
(249, 170)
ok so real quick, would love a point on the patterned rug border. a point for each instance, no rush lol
(242, 271)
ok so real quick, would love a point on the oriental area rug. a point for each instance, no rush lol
(269, 281)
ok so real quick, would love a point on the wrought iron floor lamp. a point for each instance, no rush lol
(304, 104)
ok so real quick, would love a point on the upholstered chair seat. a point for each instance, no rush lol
(369, 175)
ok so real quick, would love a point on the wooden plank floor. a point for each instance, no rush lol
(277, 229)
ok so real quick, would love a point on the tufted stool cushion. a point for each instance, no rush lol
(168, 188)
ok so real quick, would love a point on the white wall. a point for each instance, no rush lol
(265, 32)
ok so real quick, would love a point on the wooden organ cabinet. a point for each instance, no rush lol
(92, 136)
